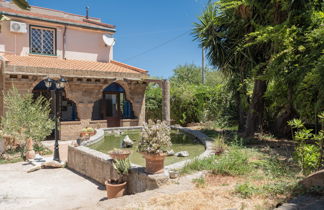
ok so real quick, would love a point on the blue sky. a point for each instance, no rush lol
(151, 34)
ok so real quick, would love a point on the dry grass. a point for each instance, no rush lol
(217, 194)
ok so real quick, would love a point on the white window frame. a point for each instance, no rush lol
(42, 29)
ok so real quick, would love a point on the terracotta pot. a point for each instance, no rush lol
(30, 154)
(118, 156)
(92, 133)
(115, 190)
(84, 134)
(154, 163)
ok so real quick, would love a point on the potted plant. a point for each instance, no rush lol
(116, 187)
(91, 131)
(84, 132)
(119, 154)
(154, 144)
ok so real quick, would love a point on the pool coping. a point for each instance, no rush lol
(204, 139)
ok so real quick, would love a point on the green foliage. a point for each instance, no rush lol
(207, 163)
(41, 149)
(190, 100)
(25, 117)
(156, 138)
(122, 168)
(279, 42)
(153, 102)
(309, 148)
(235, 162)
(197, 103)
(190, 74)
(245, 190)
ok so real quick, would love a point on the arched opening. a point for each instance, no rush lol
(114, 106)
(67, 108)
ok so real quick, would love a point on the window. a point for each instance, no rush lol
(42, 40)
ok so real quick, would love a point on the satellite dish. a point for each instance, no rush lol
(108, 40)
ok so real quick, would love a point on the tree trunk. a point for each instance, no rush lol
(255, 114)
(240, 111)
(280, 126)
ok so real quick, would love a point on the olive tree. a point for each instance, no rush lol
(25, 117)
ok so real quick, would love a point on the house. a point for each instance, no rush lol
(43, 43)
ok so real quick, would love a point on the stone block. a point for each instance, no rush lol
(314, 179)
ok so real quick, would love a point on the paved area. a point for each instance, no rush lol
(63, 189)
(45, 189)
(63, 147)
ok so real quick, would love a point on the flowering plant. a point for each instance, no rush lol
(155, 138)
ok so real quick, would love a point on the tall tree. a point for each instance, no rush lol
(272, 44)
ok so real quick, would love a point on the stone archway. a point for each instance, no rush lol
(114, 105)
(66, 107)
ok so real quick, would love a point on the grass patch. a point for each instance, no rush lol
(15, 160)
(200, 182)
(207, 163)
(234, 162)
(245, 190)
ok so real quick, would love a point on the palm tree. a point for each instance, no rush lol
(221, 31)
(224, 30)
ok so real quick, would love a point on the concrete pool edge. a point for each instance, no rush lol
(204, 139)
(98, 166)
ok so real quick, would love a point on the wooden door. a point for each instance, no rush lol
(112, 109)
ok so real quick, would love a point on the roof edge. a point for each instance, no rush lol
(129, 66)
(58, 21)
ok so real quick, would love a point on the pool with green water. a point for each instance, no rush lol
(180, 142)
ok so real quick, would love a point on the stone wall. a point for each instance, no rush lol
(70, 130)
(86, 93)
(91, 163)
(98, 166)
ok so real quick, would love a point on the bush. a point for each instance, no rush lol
(309, 148)
(155, 138)
(25, 117)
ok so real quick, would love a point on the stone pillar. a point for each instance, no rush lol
(166, 101)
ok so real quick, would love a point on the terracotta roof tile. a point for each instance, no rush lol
(52, 17)
(52, 62)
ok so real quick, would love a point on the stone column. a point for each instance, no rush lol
(166, 101)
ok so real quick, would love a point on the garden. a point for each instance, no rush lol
(261, 109)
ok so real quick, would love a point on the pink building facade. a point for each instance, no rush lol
(42, 43)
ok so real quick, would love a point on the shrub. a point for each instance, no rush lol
(155, 138)
(25, 117)
(309, 148)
